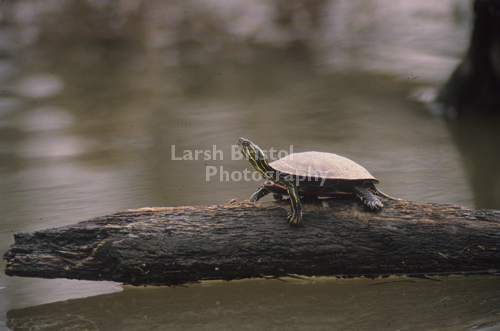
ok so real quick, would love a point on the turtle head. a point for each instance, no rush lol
(251, 151)
(255, 155)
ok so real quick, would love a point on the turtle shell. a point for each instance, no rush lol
(322, 165)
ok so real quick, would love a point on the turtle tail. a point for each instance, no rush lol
(376, 191)
(383, 195)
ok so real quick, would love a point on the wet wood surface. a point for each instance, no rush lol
(172, 245)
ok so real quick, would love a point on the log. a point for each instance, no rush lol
(173, 245)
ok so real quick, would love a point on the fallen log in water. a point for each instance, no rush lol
(172, 245)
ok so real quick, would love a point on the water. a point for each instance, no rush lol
(394, 303)
(87, 126)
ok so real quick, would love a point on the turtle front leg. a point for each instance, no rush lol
(295, 214)
(261, 192)
(368, 198)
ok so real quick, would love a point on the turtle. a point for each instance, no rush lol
(311, 174)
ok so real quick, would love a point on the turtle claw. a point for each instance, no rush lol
(374, 204)
(294, 218)
(368, 198)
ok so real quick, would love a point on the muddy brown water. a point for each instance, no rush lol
(89, 128)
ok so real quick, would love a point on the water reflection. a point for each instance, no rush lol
(455, 303)
(39, 86)
(89, 112)
(47, 119)
(479, 141)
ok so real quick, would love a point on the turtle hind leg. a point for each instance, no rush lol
(261, 192)
(367, 197)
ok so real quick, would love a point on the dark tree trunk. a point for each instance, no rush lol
(474, 86)
(173, 245)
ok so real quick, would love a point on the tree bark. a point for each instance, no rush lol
(172, 245)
